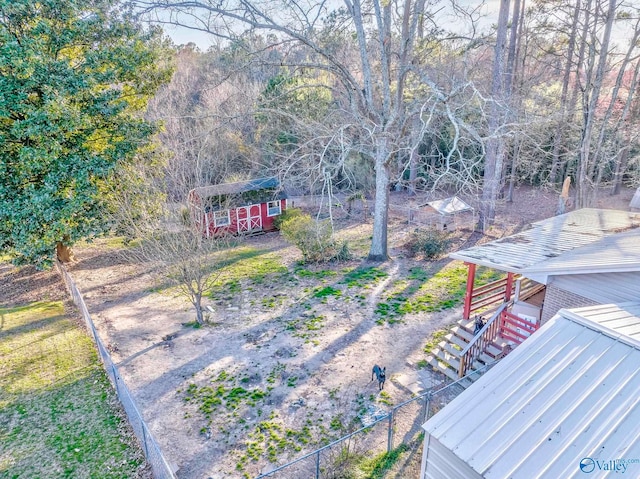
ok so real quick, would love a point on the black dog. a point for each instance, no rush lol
(381, 374)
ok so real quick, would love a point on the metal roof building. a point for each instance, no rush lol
(586, 240)
(449, 206)
(564, 403)
(235, 188)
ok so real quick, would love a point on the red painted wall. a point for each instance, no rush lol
(209, 230)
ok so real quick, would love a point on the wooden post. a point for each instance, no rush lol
(507, 293)
(471, 275)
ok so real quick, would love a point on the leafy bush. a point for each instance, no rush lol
(430, 243)
(286, 215)
(313, 238)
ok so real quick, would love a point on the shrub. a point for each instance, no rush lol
(185, 216)
(286, 215)
(313, 238)
(430, 243)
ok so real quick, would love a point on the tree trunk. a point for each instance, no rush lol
(621, 165)
(64, 253)
(564, 111)
(378, 251)
(624, 128)
(495, 145)
(584, 183)
(197, 304)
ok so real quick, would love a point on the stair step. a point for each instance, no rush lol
(486, 359)
(447, 358)
(451, 349)
(476, 366)
(463, 333)
(492, 350)
(452, 338)
(437, 365)
(469, 325)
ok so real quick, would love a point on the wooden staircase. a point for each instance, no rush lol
(448, 355)
(461, 353)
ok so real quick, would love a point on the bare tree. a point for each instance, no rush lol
(191, 263)
(161, 234)
(495, 151)
(371, 91)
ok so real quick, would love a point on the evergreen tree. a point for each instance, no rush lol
(75, 77)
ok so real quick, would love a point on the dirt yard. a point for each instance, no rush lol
(286, 359)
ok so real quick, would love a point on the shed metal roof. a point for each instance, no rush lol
(235, 188)
(570, 391)
(449, 206)
(549, 241)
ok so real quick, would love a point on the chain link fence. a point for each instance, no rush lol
(156, 460)
(398, 431)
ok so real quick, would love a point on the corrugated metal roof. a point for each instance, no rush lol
(553, 238)
(570, 391)
(614, 319)
(449, 206)
(618, 252)
(602, 287)
(237, 187)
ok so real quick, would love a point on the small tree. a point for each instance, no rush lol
(313, 238)
(190, 262)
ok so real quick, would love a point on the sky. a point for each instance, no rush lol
(181, 36)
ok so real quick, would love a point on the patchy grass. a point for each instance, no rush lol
(230, 397)
(246, 263)
(363, 277)
(320, 274)
(272, 438)
(247, 267)
(59, 416)
(421, 292)
(385, 398)
(306, 327)
(435, 339)
(326, 291)
(378, 466)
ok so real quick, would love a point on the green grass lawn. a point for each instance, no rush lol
(59, 416)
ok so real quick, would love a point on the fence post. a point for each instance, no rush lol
(426, 407)
(115, 380)
(144, 440)
(390, 433)
(318, 465)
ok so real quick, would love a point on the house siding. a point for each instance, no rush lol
(556, 298)
(438, 462)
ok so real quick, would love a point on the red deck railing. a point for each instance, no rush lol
(489, 333)
(501, 325)
(517, 329)
(490, 294)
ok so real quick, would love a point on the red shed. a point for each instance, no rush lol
(241, 207)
